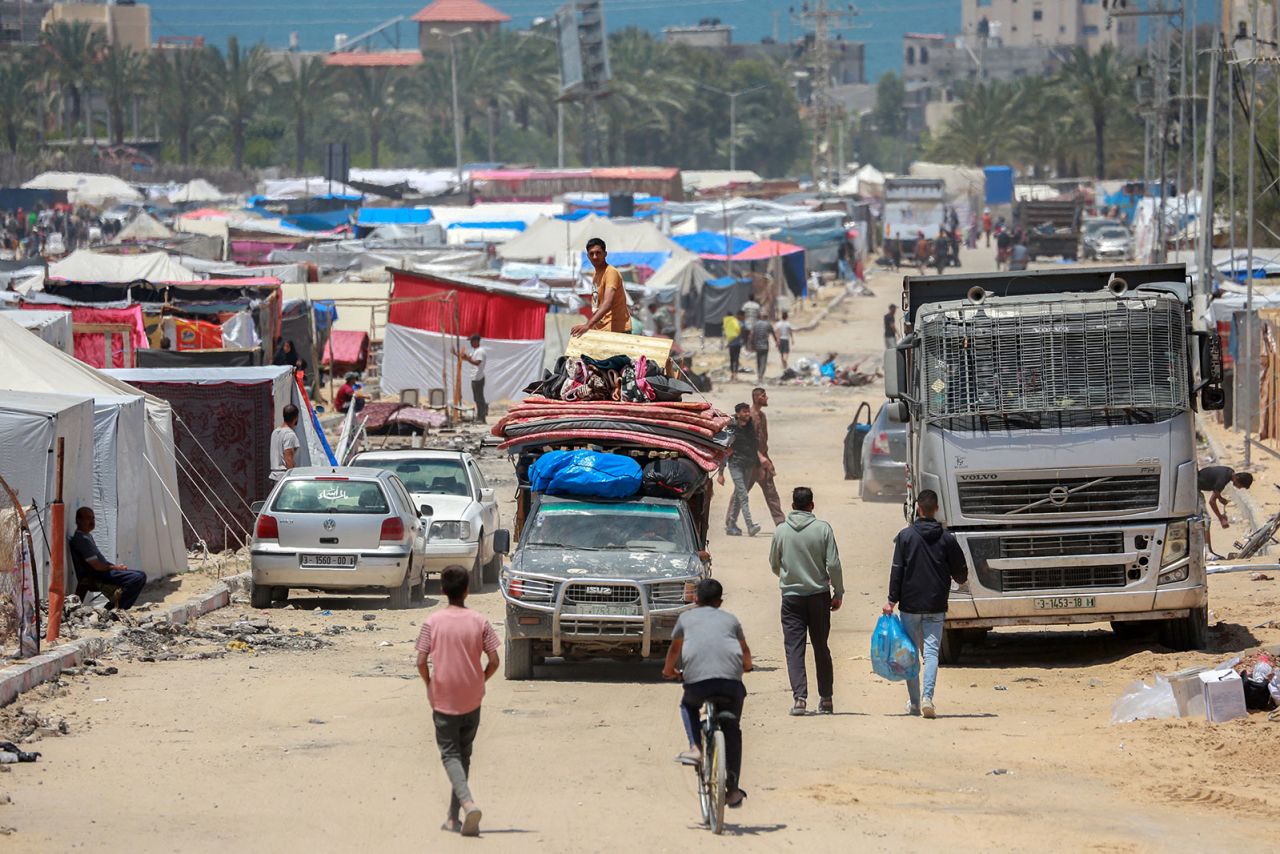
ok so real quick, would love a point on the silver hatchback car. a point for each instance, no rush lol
(338, 529)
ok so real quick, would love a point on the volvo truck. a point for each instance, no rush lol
(1053, 414)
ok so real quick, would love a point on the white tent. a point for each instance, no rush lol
(143, 227)
(150, 528)
(31, 423)
(197, 190)
(566, 241)
(714, 179)
(53, 327)
(84, 187)
(85, 265)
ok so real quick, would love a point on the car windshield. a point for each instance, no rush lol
(1114, 234)
(636, 527)
(330, 496)
(442, 477)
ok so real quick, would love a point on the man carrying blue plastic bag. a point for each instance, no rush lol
(926, 558)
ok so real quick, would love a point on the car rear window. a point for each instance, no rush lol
(330, 496)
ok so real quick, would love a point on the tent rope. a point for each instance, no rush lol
(200, 444)
(176, 503)
(188, 468)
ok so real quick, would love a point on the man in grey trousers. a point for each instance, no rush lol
(805, 559)
(744, 460)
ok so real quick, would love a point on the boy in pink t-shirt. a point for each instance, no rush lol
(452, 640)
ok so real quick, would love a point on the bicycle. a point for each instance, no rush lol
(1258, 540)
(712, 771)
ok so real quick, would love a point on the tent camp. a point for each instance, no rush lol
(431, 314)
(31, 423)
(148, 535)
(196, 190)
(85, 188)
(565, 240)
(85, 265)
(53, 327)
(143, 228)
(224, 418)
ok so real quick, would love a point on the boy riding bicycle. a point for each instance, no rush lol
(712, 652)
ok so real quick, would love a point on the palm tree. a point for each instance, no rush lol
(372, 96)
(979, 132)
(71, 51)
(300, 84)
(1100, 85)
(649, 92)
(121, 76)
(181, 81)
(17, 96)
(242, 77)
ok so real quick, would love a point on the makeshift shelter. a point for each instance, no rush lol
(346, 350)
(432, 314)
(104, 337)
(196, 190)
(143, 228)
(86, 188)
(225, 417)
(85, 265)
(564, 240)
(148, 535)
(713, 243)
(53, 327)
(31, 423)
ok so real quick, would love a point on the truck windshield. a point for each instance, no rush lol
(1055, 363)
(635, 527)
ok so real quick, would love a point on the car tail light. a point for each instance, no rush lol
(392, 529)
(267, 528)
(880, 445)
(516, 588)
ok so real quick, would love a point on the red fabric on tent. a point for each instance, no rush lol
(347, 349)
(487, 313)
(89, 347)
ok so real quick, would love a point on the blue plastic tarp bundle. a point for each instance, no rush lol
(893, 655)
(587, 473)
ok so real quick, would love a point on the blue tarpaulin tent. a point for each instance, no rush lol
(652, 260)
(320, 220)
(371, 217)
(999, 185)
(712, 243)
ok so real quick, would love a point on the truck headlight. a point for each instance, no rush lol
(1176, 538)
(1175, 575)
(450, 531)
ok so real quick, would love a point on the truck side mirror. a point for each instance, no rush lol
(502, 541)
(1212, 398)
(1210, 357)
(893, 370)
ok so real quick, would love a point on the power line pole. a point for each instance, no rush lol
(823, 21)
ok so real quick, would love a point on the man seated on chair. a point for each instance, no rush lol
(92, 567)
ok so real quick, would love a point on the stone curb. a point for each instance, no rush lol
(1251, 508)
(822, 314)
(48, 665)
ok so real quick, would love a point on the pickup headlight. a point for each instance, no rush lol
(450, 531)
(1176, 543)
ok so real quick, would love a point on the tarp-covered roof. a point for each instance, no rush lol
(552, 238)
(143, 227)
(85, 187)
(369, 217)
(85, 265)
(197, 190)
(712, 243)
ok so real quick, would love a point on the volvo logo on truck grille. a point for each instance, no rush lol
(1059, 495)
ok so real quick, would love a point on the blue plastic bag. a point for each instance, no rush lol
(586, 473)
(893, 655)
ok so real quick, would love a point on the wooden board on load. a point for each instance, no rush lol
(603, 345)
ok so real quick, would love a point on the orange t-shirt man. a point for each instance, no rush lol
(609, 302)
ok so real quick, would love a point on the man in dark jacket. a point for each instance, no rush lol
(926, 558)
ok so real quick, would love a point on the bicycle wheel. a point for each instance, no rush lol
(704, 789)
(717, 779)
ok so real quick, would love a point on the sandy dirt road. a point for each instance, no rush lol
(331, 750)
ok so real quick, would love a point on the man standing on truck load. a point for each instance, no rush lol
(744, 457)
(452, 639)
(926, 558)
(765, 472)
(805, 559)
(609, 302)
(712, 653)
(1214, 479)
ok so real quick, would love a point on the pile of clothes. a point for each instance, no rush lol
(617, 378)
(828, 372)
(695, 430)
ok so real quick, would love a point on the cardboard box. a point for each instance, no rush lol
(1223, 696)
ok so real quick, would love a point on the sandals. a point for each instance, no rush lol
(798, 709)
(734, 804)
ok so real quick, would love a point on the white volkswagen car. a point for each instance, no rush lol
(460, 513)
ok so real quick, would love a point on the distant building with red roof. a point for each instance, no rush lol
(448, 17)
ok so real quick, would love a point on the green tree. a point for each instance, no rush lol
(242, 76)
(17, 97)
(1101, 86)
(121, 76)
(372, 97)
(181, 79)
(980, 130)
(71, 50)
(300, 87)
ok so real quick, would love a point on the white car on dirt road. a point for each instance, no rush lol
(459, 511)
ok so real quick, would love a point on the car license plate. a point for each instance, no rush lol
(328, 561)
(608, 610)
(1054, 603)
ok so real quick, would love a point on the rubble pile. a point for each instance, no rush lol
(161, 640)
(27, 723)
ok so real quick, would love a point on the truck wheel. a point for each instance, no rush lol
(949, 650)
(260, 595)
(399, 597)
(1186, 633)
(518, 659)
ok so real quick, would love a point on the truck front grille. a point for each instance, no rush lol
(1054, 545)
(1107, 494)
(667, 593)
(580, 627)
(602, 594)
(1061, 578)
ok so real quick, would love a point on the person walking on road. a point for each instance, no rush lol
(986, 225)
(734, 333)
(784, 333)
(710, 653)
(1214, 479)
(765, 472)
(478, 358)
(762, 332)
(922, 250)
(891, 327)
(805, 559)
(926, 558)
(449, 647)
(744, 458)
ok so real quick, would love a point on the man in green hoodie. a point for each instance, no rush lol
(805, 559)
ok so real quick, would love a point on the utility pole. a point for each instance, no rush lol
(733, 117)
(1205, 285)
(453, 82)
(823, 20)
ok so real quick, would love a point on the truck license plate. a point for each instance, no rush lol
(1053, 603)
(328, 561)
(608, 610)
